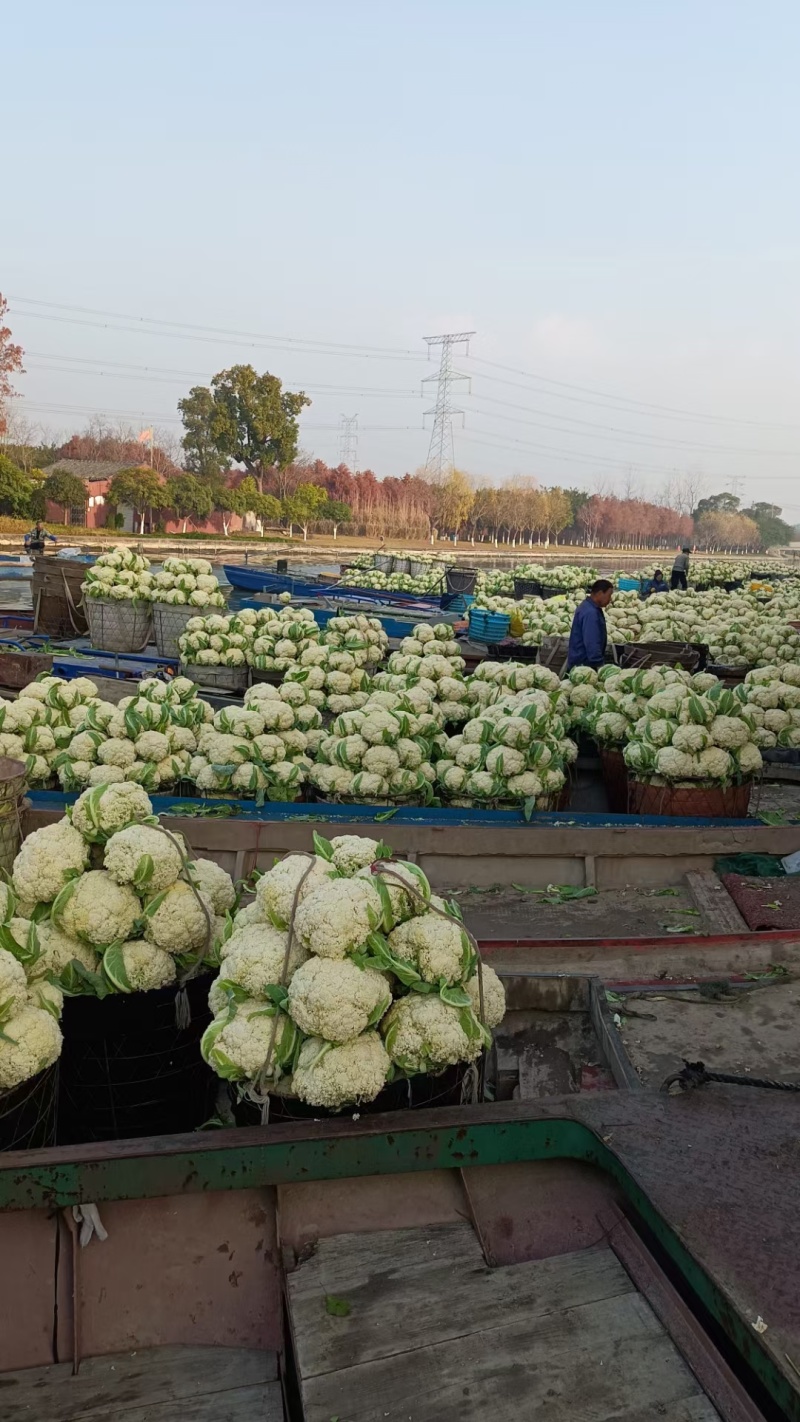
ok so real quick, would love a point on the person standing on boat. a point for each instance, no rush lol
(680, 570)
(34, 541)
(588, 638)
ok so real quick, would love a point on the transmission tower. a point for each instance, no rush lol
(735, 485)
(441, 454)
(348, 441)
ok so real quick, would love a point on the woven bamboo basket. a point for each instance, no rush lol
(12, 789)
(123, 626)
(216, 678)
(730, 802)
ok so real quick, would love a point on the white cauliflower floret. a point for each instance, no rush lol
(100, 812)
(729, 732)
(104, 774)
(691, 738)
(96, 909)
(216, 884)
(749, 759)
(58, 949)
(116, 752)
(422, 1033)
(336, 1000)
(177, 923)
(13, 985)
(31, 1041)
(46, 860)
(438, 946)
(275, 890)
(334, 1076)
(152, 745)
(237, 1044)
(251, 913)
(674, 764)
(352, 852)
(504, 760)
(137, 966)
(144, 857)
(338, 917)
(494, 997)
(714, 764)
(254, 955)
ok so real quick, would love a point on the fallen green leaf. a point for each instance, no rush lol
(337, 1308)
(386, 815)
(776, 904)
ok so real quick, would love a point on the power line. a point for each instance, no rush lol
(348, 441)
(441, 454)
(621, 400)
(182, 330)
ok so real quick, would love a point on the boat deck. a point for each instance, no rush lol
(413, 1326)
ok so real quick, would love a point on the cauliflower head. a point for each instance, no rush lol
(13, 985)
(143, 857)
(31, 1042)
(422, 1033)
(331, 1076)
(494, 996)
(276, 890)
(96, 909)
(254, 955)
(58, 950)
(338, 917)
(438, 947)
(46, 860)
(352, 852)
(176, 922)
(137, 966)
(216, 884)
(237, 1043)
(100, 812)
(334, 999)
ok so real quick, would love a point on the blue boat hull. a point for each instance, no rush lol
(257, 580)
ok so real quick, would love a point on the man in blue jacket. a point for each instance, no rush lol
(588, 639)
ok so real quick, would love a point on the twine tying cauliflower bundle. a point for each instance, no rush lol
(344, 973)
(148, 918)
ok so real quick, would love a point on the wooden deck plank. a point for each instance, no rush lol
(262, 1403)
(715, 903)
(603, 1361)
(432, 1303)
(119, 1382)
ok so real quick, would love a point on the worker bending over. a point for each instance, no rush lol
(588, 638)
(680, 570)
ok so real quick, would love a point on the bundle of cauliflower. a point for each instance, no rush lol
(149, 738)
(689, 737)
(125, 926)
(431, 652)
(516, 748)
(186, 582)
(773, 703)
(377, 979)
(608, 703)
(40, 725)
(262, 748)
(382, 752)
(122, 575)
(269, 639)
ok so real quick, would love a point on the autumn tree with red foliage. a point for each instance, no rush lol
(10, 364)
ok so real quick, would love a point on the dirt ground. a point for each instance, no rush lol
(611, 913)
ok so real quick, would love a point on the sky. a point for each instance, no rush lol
(605, 194)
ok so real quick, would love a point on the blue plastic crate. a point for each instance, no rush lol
(629, 585)
(488, 626)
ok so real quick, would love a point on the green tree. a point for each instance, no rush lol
(65, 489)
(190, 497)
(717, 503)
(140, 490)
(15, 489)
(771, 526)
(244, 418)
(304, 506)
(335, 512)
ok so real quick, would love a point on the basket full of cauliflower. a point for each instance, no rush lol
(111, 922)
(117, 594)
(345, 974)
